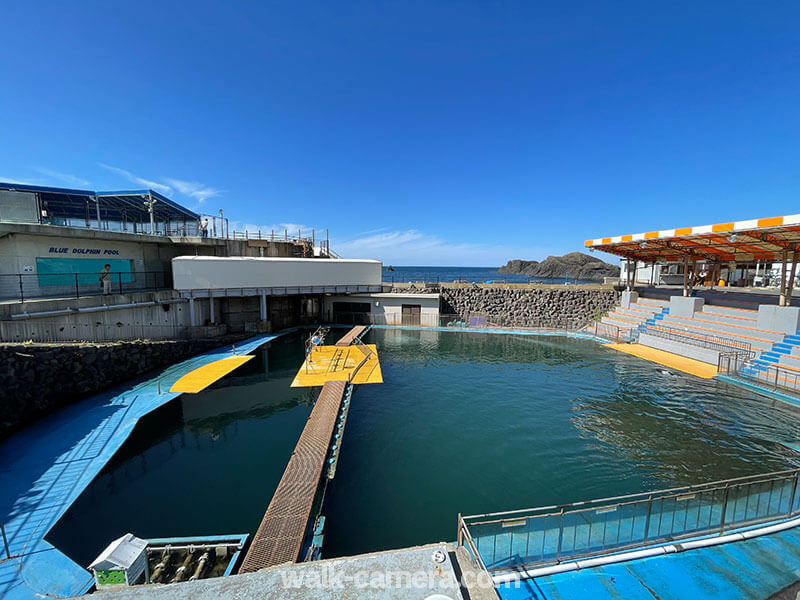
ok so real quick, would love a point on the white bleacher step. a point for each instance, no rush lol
(790, 360)
(726, 310)
(633, 314)
(674, 346)
(730, 320)
(715, 328)
(653, 302)
(757, 346)
(609, 320)
(648, 308)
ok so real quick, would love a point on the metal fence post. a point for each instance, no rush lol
(647, 519)
(724, 510)
(460, 536)
(791, 496)
(21, 291)
(560, 534)
(5, 540)
(77, 290)
(119, 279)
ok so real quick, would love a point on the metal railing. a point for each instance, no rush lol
(218, 228)
(555, 534)
(771, 376)
(614, 333)
(709, 341)
(26, 286)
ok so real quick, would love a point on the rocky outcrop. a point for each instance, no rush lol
(575, 265)
(546, 307)
(38, 378)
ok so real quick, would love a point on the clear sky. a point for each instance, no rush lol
(427, 133)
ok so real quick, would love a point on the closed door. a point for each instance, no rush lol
(411, 313)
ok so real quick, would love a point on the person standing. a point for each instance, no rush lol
(105, 279)
(204, 228)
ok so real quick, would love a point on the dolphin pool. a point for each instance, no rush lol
(464, 422)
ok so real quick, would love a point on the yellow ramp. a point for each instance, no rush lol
(337, 363)
(204, 376)
(673, 361)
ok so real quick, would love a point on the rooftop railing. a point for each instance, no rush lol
(550, 535)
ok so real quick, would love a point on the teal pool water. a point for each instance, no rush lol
(465, 422)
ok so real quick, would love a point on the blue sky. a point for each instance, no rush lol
(428, 133)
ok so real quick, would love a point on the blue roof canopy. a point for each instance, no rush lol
(126, 205)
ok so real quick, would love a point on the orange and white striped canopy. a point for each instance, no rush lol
(741, 241)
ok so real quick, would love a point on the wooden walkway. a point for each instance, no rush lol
(280, 535)
(349, 337)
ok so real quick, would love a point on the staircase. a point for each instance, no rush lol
(638, 314)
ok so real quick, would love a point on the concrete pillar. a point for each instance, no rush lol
(263, 306)
(192, 320)
(629, 298)
(785, 319)
(685, 307)
(211, 316)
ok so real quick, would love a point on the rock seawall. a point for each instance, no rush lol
(36, 379)
(545, 307)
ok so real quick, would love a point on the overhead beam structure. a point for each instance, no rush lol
(772, 239)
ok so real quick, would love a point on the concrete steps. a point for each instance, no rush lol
(747, 333)
(742, 313)
(633, 317)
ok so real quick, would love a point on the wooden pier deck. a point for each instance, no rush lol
(349, 337)
(280, 535)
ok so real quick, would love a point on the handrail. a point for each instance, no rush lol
(774, 376)
(594, 527)
(613, 332)
(710, 341)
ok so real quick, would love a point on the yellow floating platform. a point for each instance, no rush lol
(202, 377)
(673, 361)
(337, 363)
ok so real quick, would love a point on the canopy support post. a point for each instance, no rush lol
(782, 299)
(694, 275)
(686, 275)
(790, 283)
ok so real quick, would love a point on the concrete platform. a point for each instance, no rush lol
(337, 363)
(406, 574)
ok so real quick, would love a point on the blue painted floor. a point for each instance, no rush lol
(751, 569)
(45, 467)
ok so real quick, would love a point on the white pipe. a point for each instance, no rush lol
(638, 554)
(44, 313)
(91, 309)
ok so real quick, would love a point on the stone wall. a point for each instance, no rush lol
(541, 307)
(38, 378)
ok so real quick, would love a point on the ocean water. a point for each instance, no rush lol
(469, 274)
(464, 422)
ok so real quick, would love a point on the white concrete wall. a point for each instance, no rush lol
(101, 320)
(207, 272)
(387, 309)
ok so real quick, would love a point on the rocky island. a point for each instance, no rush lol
(575, 265)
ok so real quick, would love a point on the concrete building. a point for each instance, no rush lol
(54, 242)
